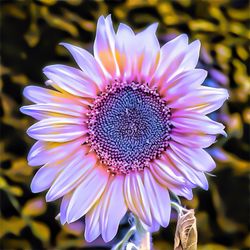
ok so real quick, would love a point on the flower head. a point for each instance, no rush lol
(122, 130)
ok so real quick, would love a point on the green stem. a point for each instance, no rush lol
(122, 244)
(180, 210)
(143, 240)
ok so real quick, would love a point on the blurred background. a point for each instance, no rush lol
(30, 33)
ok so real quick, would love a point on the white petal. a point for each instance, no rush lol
(193, 140)
(57, 129)
(87, 193)
(152, 229)
(49, 110)
(184, 191)
(104, 46)
(80, 166)
(42, 95)
(124, 48)
(92, 225)
(113, 208)
(193, 122)
(203, 100)
(147, 53)
(183, 83)
(43, 152)
(44, 177)
(87, 63)
(136, 197)
(159, 199)
(194, 176)
(166, 173)
(70, 80)
(64, 207)
(171, 56)
(195, 157)
(192, 56)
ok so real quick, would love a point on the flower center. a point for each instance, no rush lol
(129, 126)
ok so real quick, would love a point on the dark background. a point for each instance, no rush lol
(30, 33)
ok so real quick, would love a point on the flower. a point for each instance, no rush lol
(122, 131)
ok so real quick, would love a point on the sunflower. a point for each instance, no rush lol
(123, 130)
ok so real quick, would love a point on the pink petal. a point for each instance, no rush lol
(136, 197)
(80, 166)
(113, 208)
(195, 157)
(70, 80)
(159, 199)
(87, 193)
(57, 129)
(87, 63)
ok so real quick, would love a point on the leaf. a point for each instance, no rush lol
(40, 230)
(12, 225)
(186, 232)
(3, 183)
(16, 191)
(34, 207)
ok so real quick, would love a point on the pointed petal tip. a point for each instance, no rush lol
(25, 91)
(48, 197)
(223, 132)
(90, 237)
(63, 44)
(206, 187)
(183, 37)
(61, 219)
(70, 217)
(190, 196)
(106, 238)
(33, 188)
(22, 109)
(67, 45)
(45, 68)
(63, 222)
(204, 72)
(196, 43)
(100, 20)
(109, 18)
(204, 184)
(154, 26)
